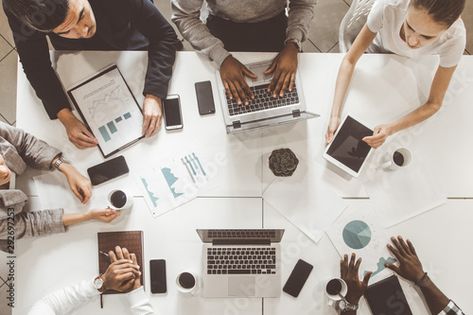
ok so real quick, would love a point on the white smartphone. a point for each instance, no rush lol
(172, 112)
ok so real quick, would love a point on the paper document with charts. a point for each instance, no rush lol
(110, 110)
(171, 182)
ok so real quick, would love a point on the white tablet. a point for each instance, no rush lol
(348, 151)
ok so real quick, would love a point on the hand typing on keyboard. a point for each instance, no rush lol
(233, 75)
(283, 69)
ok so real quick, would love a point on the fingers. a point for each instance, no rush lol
(146, 124)
(404, 245)
(86, 192)
(367, 278)
(125, 276)
(395, 252)
(411, 247)
(292, 83)
(398, 245)
(82, 141)
(274, 82)
(153, 127)
(234, 92)
(357, 265)
(393, 267)
(112, 256)
(282, 84)
(134, 260)
(328, 137)
(119, 252)
(352, 262)
(126, 253)
(272, 67)
(247, 72)
(344, 266)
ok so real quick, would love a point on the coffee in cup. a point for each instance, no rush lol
(336, 289)
(399, 158)
(187, 282)
(119, 200)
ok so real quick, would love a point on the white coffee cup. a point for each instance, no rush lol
(336, 293)
(119, 200)
(398, 159)
(187, 282)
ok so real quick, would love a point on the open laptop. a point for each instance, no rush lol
(241, 263)
(264, 110)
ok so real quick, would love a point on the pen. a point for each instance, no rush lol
(104, 253)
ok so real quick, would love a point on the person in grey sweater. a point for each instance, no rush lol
(18, 150)
(247, 25)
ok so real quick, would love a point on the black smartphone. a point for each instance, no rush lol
(157, 269)
(107, 170)
(172, 113)
(298, 277)
(205, 98)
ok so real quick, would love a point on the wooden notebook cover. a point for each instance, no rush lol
(131, 240)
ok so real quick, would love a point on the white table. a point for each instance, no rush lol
(384, 87)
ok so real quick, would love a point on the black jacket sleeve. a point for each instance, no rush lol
(163, 44)
(33, 50)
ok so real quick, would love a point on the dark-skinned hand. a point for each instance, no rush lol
(349, 273)
(283, 69)
(233, 75)
(409, 266)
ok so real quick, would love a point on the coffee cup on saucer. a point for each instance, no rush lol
(336, 289)
(398, 159)
(119, 200)
(187, 283)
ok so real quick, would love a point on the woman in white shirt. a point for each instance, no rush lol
(409, 28)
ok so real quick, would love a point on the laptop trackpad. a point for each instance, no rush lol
(241, 286)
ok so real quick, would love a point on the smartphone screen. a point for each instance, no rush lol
(107, 170)
(298, 277)
(172, 113)
(158, 275)
(205, 99)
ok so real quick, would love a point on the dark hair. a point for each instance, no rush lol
(442, 11)
(42, 15)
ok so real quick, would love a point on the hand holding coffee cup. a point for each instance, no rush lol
(400, 158)
(119, 200)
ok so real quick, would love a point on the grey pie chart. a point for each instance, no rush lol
(357, 234)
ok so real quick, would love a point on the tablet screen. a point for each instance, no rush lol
(347, 147)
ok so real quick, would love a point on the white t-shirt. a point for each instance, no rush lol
(386, 18)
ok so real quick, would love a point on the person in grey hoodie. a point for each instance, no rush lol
(18, 150)
(247, 25)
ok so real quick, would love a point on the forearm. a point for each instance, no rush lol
(415, 117)
(345, 74)
(139, 302)
(435, 298)
(300, 15)
(35, 223)
(75, 218)
(186, 16)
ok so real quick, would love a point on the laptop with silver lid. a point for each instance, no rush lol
(241, 262)
(264, 110)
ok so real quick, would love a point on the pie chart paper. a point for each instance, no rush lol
(357, 234)
(359, 230)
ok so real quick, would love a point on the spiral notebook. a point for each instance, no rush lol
(131, 240)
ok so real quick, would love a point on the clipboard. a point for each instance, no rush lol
(109, 109)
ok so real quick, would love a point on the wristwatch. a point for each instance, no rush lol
(345, 306)
(98, 283)
(58, 162)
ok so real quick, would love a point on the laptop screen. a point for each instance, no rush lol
(211, 235)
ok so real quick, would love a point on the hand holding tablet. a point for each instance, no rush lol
(348, 151)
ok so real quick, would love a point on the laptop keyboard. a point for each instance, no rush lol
(236, 260)
(242, 234)
(263, 100)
